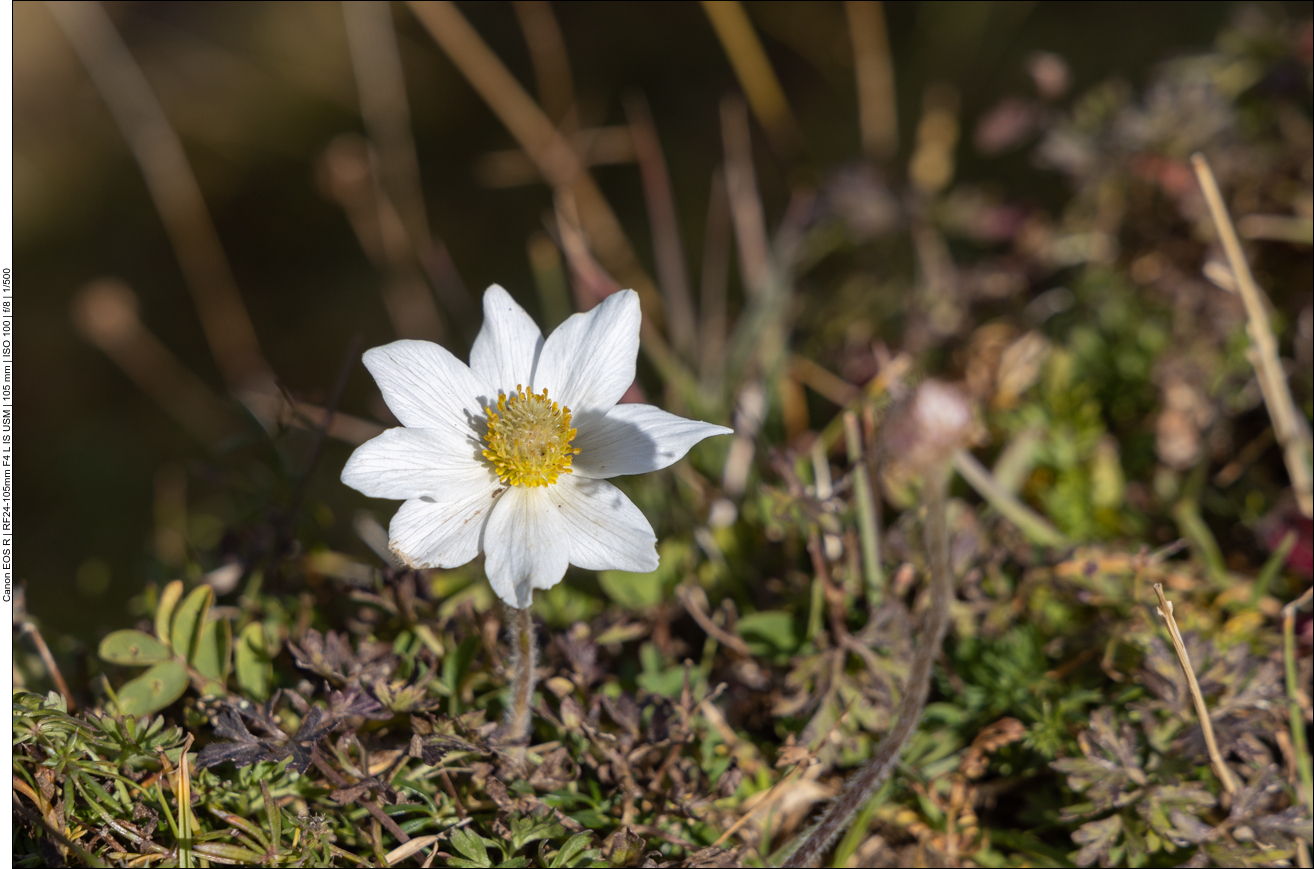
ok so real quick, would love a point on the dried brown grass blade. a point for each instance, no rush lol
(105, 314)
(1165, 610)
(1289, 426)
(754, 72)
(176, 193)
(878, 117)
(672, 276)
(547, 51)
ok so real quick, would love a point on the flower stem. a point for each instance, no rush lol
(860, 788)
(524, 660)
(869, 516)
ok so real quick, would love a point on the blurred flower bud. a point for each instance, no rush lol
(935, 422)
(1050, 74)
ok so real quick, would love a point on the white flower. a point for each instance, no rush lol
(511, 454)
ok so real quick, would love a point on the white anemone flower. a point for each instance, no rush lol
(511, 455)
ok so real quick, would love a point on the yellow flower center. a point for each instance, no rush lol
(529, 439)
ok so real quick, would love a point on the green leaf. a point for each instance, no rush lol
(455, 667)
(214, 652)
(526, 830)
(472, 846)
(643, 591)
(164, 612)
(575, 852)
(254, 671)
(769, 633)
(1097, 840)
(133, 648)
(153, 690)
(229, 853)
(190, 621)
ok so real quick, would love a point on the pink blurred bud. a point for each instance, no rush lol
(935, 422)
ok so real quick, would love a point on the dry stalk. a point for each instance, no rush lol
(799, 766)
(557, 162)
(51, 666)
(393, 168)
(874, 70)
(1292, 433)
(177, 196)
(1165, 609)
(863, 784)
(550, 57)
(753, 69)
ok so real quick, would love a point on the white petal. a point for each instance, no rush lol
(526, 544)
(425, 386)
(636, 439)
(413, 462)
(587, 363)
(605, 529)
(428, 534)
(504, 354)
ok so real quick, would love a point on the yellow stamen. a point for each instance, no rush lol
(529, 439)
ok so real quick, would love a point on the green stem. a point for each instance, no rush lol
(1030, 523)
(1303, 764)
(868, 512)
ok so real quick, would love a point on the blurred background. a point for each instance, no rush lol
(142, 452)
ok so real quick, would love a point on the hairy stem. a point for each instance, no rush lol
(871, 776)
(524, 659)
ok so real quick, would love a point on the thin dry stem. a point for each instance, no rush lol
(753, 69)
(667, 248)
(863, 784)
(800, 766)
(713, 318)
(832, 387)
(745, 204)
(695, 603)
(370, 805)
(105, 313)
(51, 666)
(177, 196)
(548, 53)
(381, 86)
(542, 141)
(877, 112)
(395, 173)
(1165, 609)
(558, 163)
(1292, 432)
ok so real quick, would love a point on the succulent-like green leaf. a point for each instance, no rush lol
(213, 657)
(133, 648)
(254, 672)
(153, 690)
(164, 612)
(190, 621)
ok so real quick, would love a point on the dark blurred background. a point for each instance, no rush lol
(258, 91)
